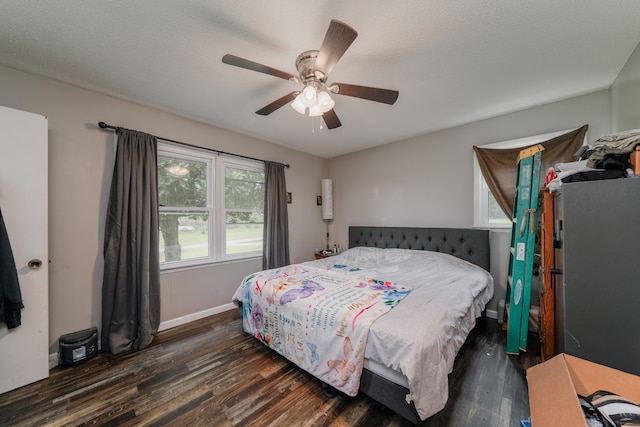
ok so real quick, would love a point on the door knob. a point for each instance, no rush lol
(34, 264)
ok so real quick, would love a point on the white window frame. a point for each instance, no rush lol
(237, 163)
(480, 187)
(216, 164)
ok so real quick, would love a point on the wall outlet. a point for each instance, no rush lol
(53, 360)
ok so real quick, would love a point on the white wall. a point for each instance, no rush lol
(625, 96)
(427, 181)
(80, 165)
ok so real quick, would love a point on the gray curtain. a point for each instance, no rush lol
(276, 219)
(131, 282)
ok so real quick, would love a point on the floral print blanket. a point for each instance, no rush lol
(317, 318)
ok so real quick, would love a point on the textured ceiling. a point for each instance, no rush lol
(453, 62)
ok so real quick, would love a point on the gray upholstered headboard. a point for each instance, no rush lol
(469, 244)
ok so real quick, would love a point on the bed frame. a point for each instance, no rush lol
(468, 244)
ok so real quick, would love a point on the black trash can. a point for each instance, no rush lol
(78, 347)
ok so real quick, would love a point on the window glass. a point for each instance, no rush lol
(496, 216)
(182, 182)
(183, 236)
(244, 210)
(184, 212)
(198, 227)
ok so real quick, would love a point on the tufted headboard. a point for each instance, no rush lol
(468, 244)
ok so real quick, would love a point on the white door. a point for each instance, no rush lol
(24, 351)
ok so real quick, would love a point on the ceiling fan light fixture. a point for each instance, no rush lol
(314, 67)
(309, 95)
(298, 105)
(315, 110)
(325, 102)
(318, 101)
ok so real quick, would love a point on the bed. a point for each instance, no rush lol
(430, 283)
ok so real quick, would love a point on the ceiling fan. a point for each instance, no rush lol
(313, 68)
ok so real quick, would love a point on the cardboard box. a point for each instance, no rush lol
(555, 384)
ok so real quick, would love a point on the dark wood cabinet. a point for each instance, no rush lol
(547, 273)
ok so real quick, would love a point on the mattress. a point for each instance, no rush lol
(415, 343)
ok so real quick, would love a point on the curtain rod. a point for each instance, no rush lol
(103, 125)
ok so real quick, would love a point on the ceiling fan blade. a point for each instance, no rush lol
(254, 66)
(280, 102)
(337, 40)
(386, 96)
(331, 119)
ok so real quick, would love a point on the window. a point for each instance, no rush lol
(211, 207)
(243, 208)
(486, 212)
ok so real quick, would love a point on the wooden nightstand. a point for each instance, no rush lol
(324, 254)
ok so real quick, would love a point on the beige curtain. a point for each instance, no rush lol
(500, 169)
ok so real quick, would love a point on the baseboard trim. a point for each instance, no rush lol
(492, 314)
(168, 324)
(54, 358)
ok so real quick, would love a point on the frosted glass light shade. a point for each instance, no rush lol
(327, 199)
(325, 102)
(309, 96)
(317, 101)
(298, 105)
(315, 110)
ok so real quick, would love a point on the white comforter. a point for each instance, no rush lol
(421, 336)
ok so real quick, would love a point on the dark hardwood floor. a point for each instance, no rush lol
(209, 373)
